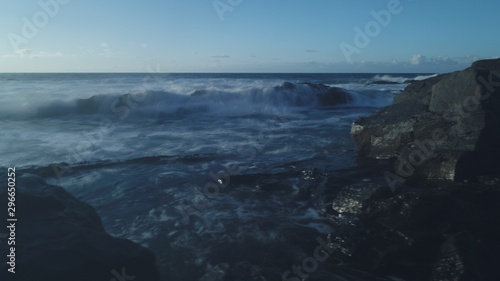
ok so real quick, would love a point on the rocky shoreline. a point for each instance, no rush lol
(422, 205)
(430, 211)
(422, 230)
(61, 238)
(446, 127)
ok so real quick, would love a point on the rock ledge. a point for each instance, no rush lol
(445, 127)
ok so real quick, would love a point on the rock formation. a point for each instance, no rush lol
(423, 232)
(327, 96)
(442, 129)
(445, 127)
(61, 238)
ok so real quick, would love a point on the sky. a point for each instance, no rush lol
(382, 36)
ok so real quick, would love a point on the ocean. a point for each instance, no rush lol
(215, 173)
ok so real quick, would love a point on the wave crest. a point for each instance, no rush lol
(240, 101)
(399, 79)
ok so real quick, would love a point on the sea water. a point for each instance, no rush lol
(212, 172)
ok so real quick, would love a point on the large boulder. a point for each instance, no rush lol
(58, 237)
(445, 127)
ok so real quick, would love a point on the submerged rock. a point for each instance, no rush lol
(444, 127)
(334, 96)
(285, 86)
(61, 238)
(327, 95)
(330, 96)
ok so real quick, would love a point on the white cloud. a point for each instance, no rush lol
(28, 53)
(46, 55)
(23, 52)
(418, 59)
(469, 59)
(144, 45)
(436, 61)
(107, 53)
(104, 44)
(444, 60)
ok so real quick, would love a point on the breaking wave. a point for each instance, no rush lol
(400, 79)
(208, 100)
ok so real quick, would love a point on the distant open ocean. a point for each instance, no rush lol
(207, 170)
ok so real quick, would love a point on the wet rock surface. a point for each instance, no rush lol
(431, 210)
(445, 127)
(428, 230)
(61, 238)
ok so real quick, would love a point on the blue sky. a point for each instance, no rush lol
(246, 35)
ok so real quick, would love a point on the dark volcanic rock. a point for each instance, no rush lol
(334, 96)
(432, 232)
(419, 91)
(61, 238)
(445, 127)
(327, 96)
(330, 96)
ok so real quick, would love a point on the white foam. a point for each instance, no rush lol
(400, 79)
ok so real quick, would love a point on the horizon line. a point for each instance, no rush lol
(132, 72)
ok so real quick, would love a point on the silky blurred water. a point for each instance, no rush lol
(191, 164)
